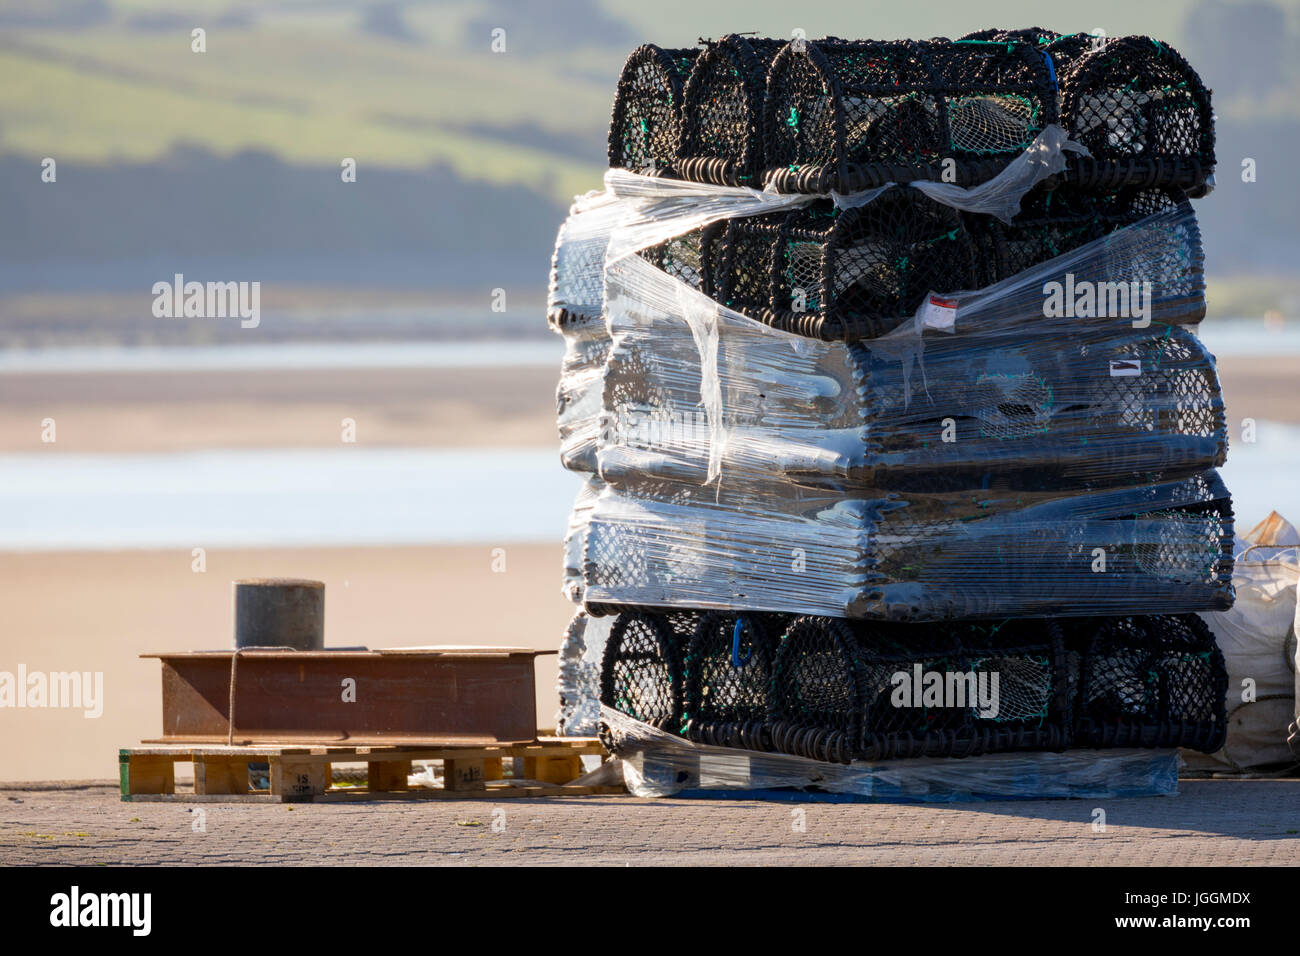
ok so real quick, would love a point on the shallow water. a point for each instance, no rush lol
(282, 498)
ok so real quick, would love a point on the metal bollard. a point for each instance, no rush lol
(280, 612)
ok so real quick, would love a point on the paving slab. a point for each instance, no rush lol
(1210, 822)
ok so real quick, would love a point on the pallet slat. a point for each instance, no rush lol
(302, 773)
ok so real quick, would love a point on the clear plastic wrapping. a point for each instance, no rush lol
(1043, 445)
(578, 681)
(658, 764)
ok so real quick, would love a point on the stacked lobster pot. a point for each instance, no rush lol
(881, 363)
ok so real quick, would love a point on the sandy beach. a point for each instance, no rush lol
(184, 411)
(99, 611)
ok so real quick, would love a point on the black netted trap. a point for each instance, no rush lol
(1150, 682)
(858, 273)
(1142, 112)
(729, 678)
(721, 140)
(693, 257)
(838, 692)
(851, 115)
(641, 674)
(819, 694)
(644, 132)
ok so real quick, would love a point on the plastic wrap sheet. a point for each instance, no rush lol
(658, 764)
(575, 538)
(579, 395)
(1164, 549)
(1070, 402)
(578, 682)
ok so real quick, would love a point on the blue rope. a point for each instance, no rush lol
(736, 661)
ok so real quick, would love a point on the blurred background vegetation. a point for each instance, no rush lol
(225, 165)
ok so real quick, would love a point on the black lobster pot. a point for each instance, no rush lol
(644, 131)
(721, 138)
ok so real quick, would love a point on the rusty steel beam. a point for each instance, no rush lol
(403, 696)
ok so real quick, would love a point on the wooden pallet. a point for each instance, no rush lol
(301, 773)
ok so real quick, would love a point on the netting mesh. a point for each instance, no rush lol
(729, 677)
(641, 674)
(1141, 111)
(720, 140)
(834, 691)
(853, 114)
(1151, 681)
(646, 125)
(1046, 414)
(860, 272)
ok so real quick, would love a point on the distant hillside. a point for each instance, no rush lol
(116, 225)
(228, 161)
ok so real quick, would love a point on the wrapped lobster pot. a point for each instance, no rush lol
(647, 119)
(578, 677)
(846, 274)
(1143, 114)
(784, 408)
(1086, 412)
(779, 547)
(851, 115)
(721, 139)
(1055, 414)
(861, 272)
(575, 310)
(578, 395)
